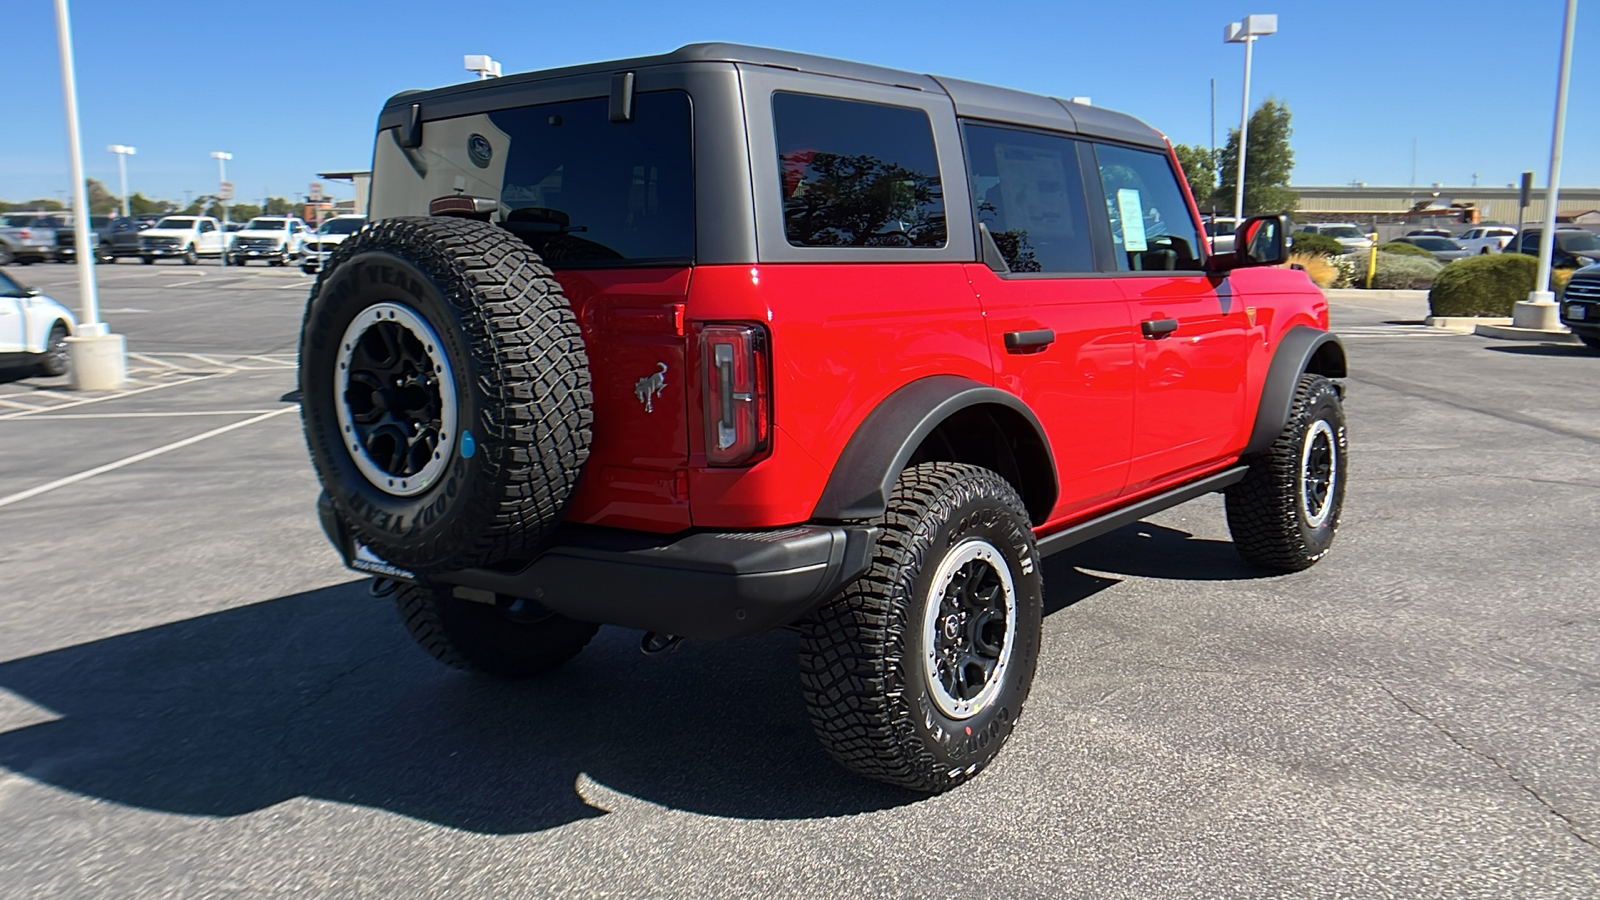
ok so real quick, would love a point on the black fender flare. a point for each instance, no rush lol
(1301, 349)
(882, 446)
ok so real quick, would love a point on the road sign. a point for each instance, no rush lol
(316, 190)
(225, 191)
(1527, 188)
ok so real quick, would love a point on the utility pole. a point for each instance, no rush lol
(1245, 33)
(1539, 310)
(98, 358)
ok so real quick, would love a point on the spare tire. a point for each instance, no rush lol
(444, 392)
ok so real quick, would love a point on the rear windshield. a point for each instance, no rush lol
(1577, 241)
(1434, 243)
(584, 191)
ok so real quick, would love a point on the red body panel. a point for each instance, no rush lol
(844, 337)
(1081, 386)
(1125, 416)
(635, 477)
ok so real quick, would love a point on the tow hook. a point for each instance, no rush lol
(382, 587)
(655, 644)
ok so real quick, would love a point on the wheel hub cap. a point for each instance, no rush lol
(396, 400)
(969, 627)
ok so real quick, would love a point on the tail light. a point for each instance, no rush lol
(24, 234)
(738, 391)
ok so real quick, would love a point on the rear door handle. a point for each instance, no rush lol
(1029, 341)
(1155, 329)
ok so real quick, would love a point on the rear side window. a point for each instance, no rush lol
(857, 174)
(585, 191)
(1151, 227)
(1026, 190)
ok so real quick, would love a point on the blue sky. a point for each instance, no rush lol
(1472, 81)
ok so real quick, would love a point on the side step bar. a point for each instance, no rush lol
(1111, 521)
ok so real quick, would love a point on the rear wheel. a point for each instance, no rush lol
(917, 673)
(1284, 514)
(148, 260)
(6, 257)
(511, 637)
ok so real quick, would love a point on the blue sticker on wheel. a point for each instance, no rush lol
(468, 445)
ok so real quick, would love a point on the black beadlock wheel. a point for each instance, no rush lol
(916, 674)
(446, 397)
(511, 638)
(1285, 512)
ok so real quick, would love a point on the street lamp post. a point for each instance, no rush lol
(224, 194)
(123, 151)
(98, 358)
(1539, 311)
(1245, 33)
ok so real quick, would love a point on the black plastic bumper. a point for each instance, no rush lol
(708, 584)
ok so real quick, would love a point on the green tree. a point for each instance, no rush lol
(1269, 162)
(243, 212)
(140, 205)
(1199, 168)
(101, 201)
(281, 206)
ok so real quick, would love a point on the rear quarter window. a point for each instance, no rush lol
(857, 174)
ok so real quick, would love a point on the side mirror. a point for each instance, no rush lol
(1259, 241)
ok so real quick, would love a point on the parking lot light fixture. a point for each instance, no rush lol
(123, 151)
(1539, 311)
(98, 358)
(483, 65)
(224, 194)
(1245, 33)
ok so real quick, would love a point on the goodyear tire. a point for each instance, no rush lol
(511, 638)
(916, 674)
(1283, 515)
(445, 392)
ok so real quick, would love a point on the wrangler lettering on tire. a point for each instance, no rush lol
(446, 392)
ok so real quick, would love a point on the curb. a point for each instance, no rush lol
(1513, 333)
(1465, 324)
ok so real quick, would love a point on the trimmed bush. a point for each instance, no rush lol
(1317, 268)
(1488, 285)
(1345, 265)
(1398, 272)
(1403, 249)
(1313, 244)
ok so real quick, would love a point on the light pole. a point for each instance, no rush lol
(98, 357)
(1246, 33)
(483, 65)
(123, 151)
(224, 194)
(1539, 310)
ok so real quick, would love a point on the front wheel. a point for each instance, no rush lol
(190, 257)
(916, 674)
(510, 638)
(1284, 514)
(1590, 341)
(56, 360)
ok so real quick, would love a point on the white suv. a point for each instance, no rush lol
(275, 239)
(332, 233)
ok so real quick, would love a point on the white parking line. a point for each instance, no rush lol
(138, 457)
(153, 360)
(150, 415)
(207, 360)
(23, 405)
(114, 396)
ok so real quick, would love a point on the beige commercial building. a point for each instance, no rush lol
(1578, 205)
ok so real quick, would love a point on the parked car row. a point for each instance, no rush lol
(1573, 246)
(27, 238)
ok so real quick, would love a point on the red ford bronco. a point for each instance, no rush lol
(730, 339)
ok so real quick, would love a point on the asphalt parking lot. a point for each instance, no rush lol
(196, 699)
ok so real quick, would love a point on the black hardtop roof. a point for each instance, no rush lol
(980, 101)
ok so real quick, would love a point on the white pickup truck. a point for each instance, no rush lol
(275, 240)
(1483, 239)
(182, 237)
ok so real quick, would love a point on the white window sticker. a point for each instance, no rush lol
(1131, 212)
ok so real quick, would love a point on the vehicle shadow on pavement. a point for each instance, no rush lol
(1156, 551)
(1573, 350)
(322, 694)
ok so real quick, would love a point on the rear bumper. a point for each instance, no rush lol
(708, 585)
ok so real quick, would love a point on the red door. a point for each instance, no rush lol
(1190, 405)
(1078, 379)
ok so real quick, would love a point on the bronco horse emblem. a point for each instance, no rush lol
(650, 387)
